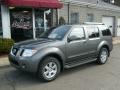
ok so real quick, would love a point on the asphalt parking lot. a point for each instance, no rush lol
(86, 77)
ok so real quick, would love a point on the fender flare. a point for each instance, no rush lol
(41, 54)
(103, 43)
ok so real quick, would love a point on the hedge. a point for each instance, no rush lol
(5, 45)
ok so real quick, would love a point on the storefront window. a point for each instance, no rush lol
(21, 24)
(43, 20)
(90, 17)
(74, 18)
(21, 20)
(1, 32)
(39, 21)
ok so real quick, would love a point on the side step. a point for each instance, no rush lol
(71, 65)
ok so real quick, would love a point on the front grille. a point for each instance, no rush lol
(15, 62)
(21, 52)
(15, 51)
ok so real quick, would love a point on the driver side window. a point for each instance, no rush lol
(78, 33)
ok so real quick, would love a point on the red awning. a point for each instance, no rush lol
(34, 3)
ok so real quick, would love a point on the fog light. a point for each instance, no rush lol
(23, 66)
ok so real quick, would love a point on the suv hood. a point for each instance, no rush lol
(34, 43)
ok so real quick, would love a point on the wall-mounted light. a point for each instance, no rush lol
(25, 11)
(113, 1)
(11, 7)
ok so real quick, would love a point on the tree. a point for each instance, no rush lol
(117, 2)
(62, 21)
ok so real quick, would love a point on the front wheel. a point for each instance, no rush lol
(103, 56)
(49, 69)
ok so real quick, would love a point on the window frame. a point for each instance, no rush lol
(90, 17)
(77, 16)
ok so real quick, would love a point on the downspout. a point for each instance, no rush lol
(34, 29)
(57, 17)
(68, 12)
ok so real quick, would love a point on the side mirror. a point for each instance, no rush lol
(72, 38)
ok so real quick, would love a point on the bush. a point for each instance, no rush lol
(5, 45)
(62, 21)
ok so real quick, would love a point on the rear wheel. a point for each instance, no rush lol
(49, 69)
(103, 56)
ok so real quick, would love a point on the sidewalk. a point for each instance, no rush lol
(116, 40)
(4, 60)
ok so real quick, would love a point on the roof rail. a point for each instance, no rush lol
(93, 23)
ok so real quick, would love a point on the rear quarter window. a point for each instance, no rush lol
(105, 31)
(93, 32)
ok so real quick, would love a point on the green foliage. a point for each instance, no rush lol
(117, 2)
(5, 45)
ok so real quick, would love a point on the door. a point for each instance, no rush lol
(109, 21)
(118, 28)
(43, 21)
(93, 40)
(39, 22)
(76, 45)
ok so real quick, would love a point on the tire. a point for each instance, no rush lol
(49, 69)
(103, 56)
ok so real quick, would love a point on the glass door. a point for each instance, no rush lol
(39, 22)
(43, 21)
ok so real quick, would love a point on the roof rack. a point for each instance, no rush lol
(93, 23)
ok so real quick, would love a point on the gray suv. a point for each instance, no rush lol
(66, 46)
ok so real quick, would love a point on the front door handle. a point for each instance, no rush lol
(84, 41)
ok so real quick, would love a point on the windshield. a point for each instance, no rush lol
(57, 33)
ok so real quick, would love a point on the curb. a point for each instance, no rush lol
(4, 66)
(4, 62)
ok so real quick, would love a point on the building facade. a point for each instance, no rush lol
(79, 11)
(21, 20)
(26, 19)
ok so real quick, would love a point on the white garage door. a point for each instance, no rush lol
(118, 28)
(109, 21)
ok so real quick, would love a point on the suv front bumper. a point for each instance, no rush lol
(28, 64)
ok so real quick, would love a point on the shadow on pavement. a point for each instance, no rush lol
(27, 79)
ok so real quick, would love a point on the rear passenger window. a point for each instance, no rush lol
(93, 32)
(105, 31)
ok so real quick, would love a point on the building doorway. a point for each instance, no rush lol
(109, 21)
(43, 21)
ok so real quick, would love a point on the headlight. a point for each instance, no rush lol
(28, 52)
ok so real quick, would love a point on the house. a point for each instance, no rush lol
(79, 11)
